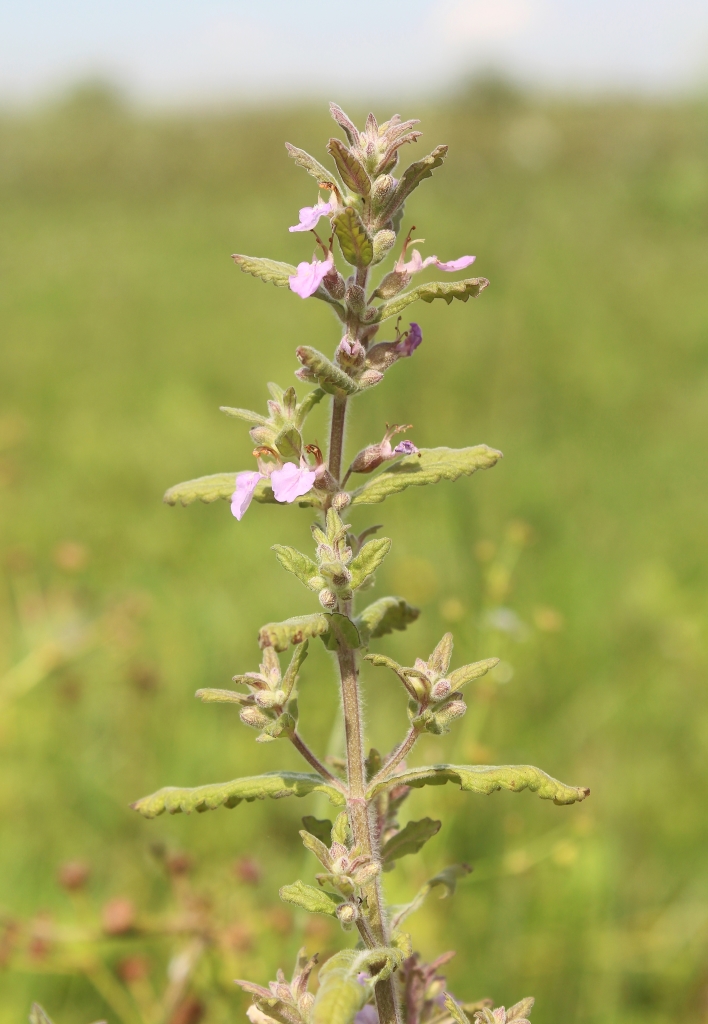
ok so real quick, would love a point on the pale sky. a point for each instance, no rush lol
(177, 51)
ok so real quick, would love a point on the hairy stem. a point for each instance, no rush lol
(396, 756)
(336, 437)
(312, 759)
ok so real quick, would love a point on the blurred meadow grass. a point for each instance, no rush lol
(581, 559)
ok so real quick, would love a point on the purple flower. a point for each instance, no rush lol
(369, 1015)
(407, 345)
(458, 264)
(405, 448)
(310, 215)
(291, 482)
(246, 484)
(309, 276)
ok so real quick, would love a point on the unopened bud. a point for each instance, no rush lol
(304, 373)
(334, 283)
(392, 284)
(350, 352)
(455, 709)
(348, 914)
(370, 458)
(328, 599)
(384, 241)
(341, 500)
(382, 189)
(254, 717)
(355, 297)
(370, 378)
(440, 690)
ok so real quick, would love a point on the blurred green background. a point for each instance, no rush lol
(580, 559)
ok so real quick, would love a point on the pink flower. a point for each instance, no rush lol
(458, 264)
(309, 276)
(405, 448)
(246, 484)
(369, 1015)
(417, 263)
(310, 215)
(410, 341)
(291, 482)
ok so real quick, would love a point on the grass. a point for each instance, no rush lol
(125, 326)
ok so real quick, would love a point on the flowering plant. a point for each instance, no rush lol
(380, 979)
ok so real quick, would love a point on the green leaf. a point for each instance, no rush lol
(245, 414)
(342, 631)
(368, 560)
(293, 631)
(411, 179)
(230, 794)
(38, 1015)
(341, 995)
(307, 897)
(447, 290)
(320, 828)
(520, 1010)
(204, 488)
(439, 660)
(483, 778)
(330, 377)
(312, 166)
(290, 677)
(409, 840)
(267, 270)
(354, 240)
(311, 399)
(289, 442)
(429, 467)
(383, 616)
(296, 563)
(455, 1010)
(467, 673)
(447, 878)
(212, 696)
(351, 170)
(319, 847)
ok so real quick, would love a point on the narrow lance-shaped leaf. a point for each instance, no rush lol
(368, 560)
(330, 377)
(293, 631)
(312, 166)
(447, 878)
(276, 785)
(485, 779)
(410, 179)
(467, 673)
(244, 414)
(383, 616)
(447, 290)
(354, 240)
(267, 270)
(351, 170)
(307, 897)
(209, 695)
(298, 564)
(296, 662)
(455, 1010)
(409, 840)
(430, 466)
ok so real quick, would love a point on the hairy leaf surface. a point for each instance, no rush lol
(354, 240)
(223, 485)
(447, 290)
(293, 631)
(312, 166)
(409, 840)
(368, 560)
(411, 179)
(455, 1010)
(276, 785)
(467, 673)
(267, 270)
(307, 897)
(483, 778)
(429, 467)
(383, 616)
(244, 414)
(330, 377)
(296, 563)
(341, 993)
(351, 170)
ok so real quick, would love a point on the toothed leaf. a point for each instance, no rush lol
(307, 897)
(447, 290)
(293, 631)
(295, 562)
(267, 270)
(430, 466)
(482, 778)
(277, 785)
(368, 560)
(383, 616)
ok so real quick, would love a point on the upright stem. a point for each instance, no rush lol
(357, 807)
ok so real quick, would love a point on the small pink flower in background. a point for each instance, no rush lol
(291, 482)
(246, 484)
(310, 215)
(309, 276)
(417, 263)
(410, 342)
(369, 1015)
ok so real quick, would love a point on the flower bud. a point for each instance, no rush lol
(355, 297)
(392, 284)
(350, 353)
(369, 378)
(445, 717)
(440, 690)
(328, 599)
(384, 241)
(341, 500)
(334, 283)
(348, 915)
(270, 698)
(382, 189)
(254, 717)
